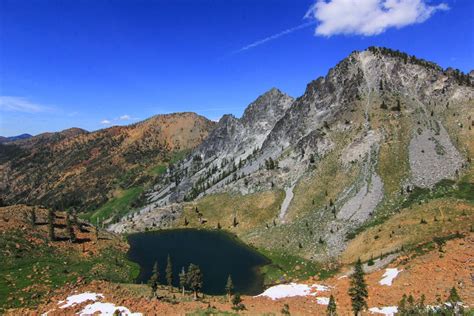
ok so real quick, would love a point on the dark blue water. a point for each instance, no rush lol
(217, 254)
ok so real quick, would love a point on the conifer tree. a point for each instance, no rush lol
(286, 310)
(229, 287)
(33, 216)
(237, 303)
(169, 272)
(194, 279)
(51, 216)
(453, 295)
(454, 303)
(331, 310)
(358, 290)
(182, 280)
(154, 280)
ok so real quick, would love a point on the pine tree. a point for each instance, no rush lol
(454, 296)
(454, 303)
(33, 217)
(331, 310)
(237, 303)
(402, 305)
(229, 287)
(51, 216)
(154, 279)
(194, 279)
(182, 279)
(169, 272)
(358, 290)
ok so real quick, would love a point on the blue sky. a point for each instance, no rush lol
(94, 63)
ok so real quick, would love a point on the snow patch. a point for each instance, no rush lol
(322, 300)
(106, 309)
(387, 310)
(388, 276)
(80, 298)
(293, 289)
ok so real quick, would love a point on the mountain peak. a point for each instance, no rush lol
(271, 103)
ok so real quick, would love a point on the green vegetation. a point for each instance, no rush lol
(154, 280)
(182, 280)
(169, 272)
(211, 311)
(237, 304)
(194, 279)
(445, 188)
(229, 286)
(29, 270)
(332, 308)
(286, 267)
(116, 207)
(158, 170)
(358, 290)
(286, 310)
(452, 307)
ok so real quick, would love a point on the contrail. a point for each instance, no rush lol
(274, 37)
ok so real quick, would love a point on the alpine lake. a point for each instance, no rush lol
(218, 255)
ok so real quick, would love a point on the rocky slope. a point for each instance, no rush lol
(378, 127)
(81, 169)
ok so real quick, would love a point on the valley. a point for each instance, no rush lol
(372, 163)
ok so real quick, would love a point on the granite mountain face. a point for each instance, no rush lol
(350, 151)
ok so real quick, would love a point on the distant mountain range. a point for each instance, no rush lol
(14, 138)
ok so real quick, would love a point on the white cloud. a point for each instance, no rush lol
(105, 122)
(19, 104)
(368, 17)
(125, 117)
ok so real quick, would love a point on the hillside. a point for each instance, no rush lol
(84, 170)
(33, 265)
(303, 177)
